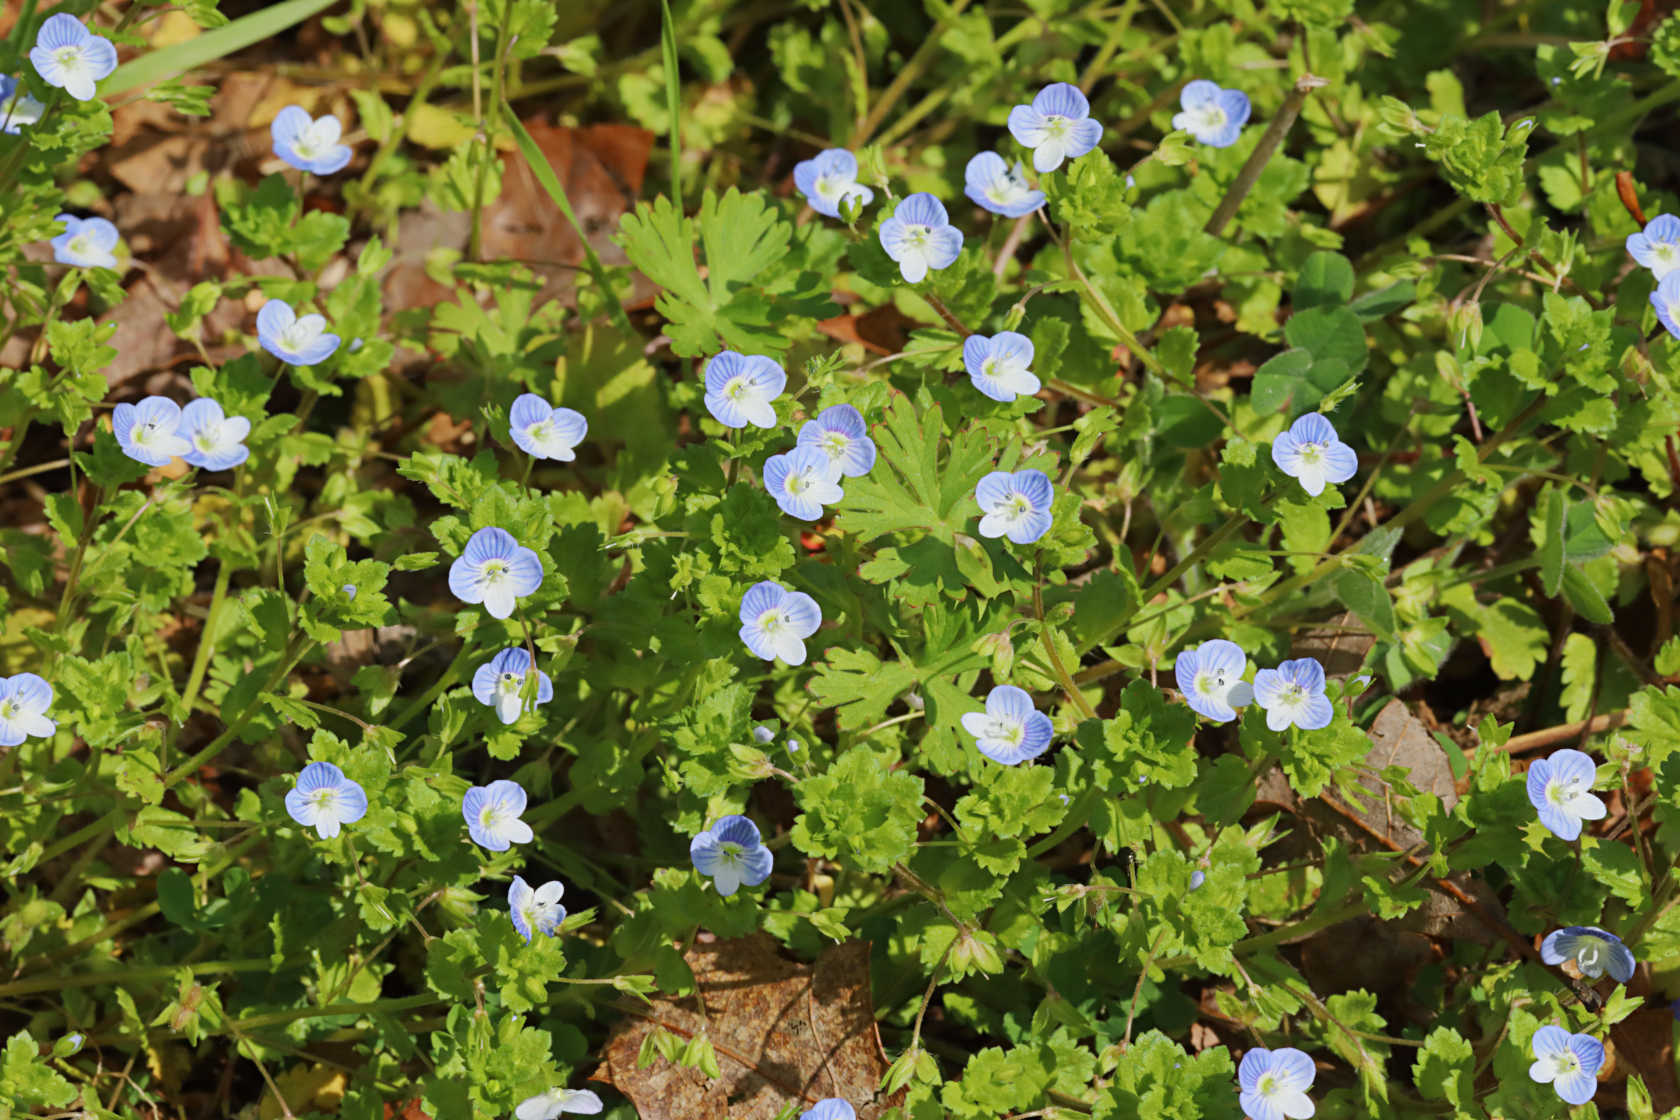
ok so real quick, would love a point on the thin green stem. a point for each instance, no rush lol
(206, 640)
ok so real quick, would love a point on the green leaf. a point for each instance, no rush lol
(1326, 280)
(1367, 596)
(746, 300)
(1329, 333)
(920, 490)
(1584, 596)
(1551, 539)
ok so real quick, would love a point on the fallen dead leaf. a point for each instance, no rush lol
(784, 1033)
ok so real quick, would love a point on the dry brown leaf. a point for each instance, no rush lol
(783, 1032)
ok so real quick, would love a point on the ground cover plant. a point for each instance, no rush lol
(829, 560)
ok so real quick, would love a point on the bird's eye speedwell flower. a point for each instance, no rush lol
(71, 57)
(1056, 126)
(1567, 1062)
(496, 570)
(17, 108)
(775, 621)
(1560, 789)
(1212, 115)
(732, 853)
(1000, 187)
(24, 700)
(307, 143)
(1015, 505)
(85, 242)
(1311, 453)
(552, 1103)
(998, 365)
(803, 481)
(1274, 1084)
(217, 440)
(301, 340)
(1666, 299)
(1293, 693)
(538, 910)
(1010, 730)
(1210, 677)
(739, 389)
(840, 433)
(325, 800)
(500, 681)
(920, 237)
(1591, 950)
(543, 431)
(149, 432)
(1657, 246)
(830, 1108)
(492, 814)
(829, 178)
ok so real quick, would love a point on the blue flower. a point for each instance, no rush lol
(1594, 952)
(998, 365)
(17, 108)
(840, 433)
(1293, 693)
(1015, 505)
(148, 432)
(494, 569)
(732, 854)
(919, 236)
(499, 681)
(309, 144)
(536, 910)
(802, 482)
(1657, 246)
(739, 389)
(775, 621)
(1560, 789)
(828, 179)
(325, 800)
(543, 431)
(1212, 115)
(85, 242)
(1666, 299)
(549, 1105)
(24, 700)
(1274, 1083)
(71, 57)
(1197, 878)
(218, 441)
(300, 340)
(492, 814)
(829, 1108)
(996, 186)
(1568, 1062)
(762, 735)
(1309, 451)
(1056, 126)
(1210, 677)
(1010, 730)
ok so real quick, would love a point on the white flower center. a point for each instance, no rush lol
(208, 437)
(729, 853)
(297, 335)
(1210, 118)
(771, 621)
(1664, 252)
(68, 58)
(1565, 1063)
(1056, 126)
(1588, 954)
(8, 710)
(493, 572)
(737, 388)
(80, 246)
(828, 186)
(509, 684)
(1561, 792)
(1267, 1086)
(835, 444)
(1211, 684)
(797, 483)
(312, 141)
(916, 236)
(1311, 453)
(1015, 507)
(146, 433)
(542, 431)
(326, 800)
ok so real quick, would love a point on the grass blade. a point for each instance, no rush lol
(673, 97)
(551, 183)
(149, 69)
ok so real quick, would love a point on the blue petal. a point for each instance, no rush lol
(1062, 100)
(1198, 94)
(760, 597)
(62, 30)
(1312, 428)
(1035, 485)
(922, 209)
(736, 829)
(802, 614)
